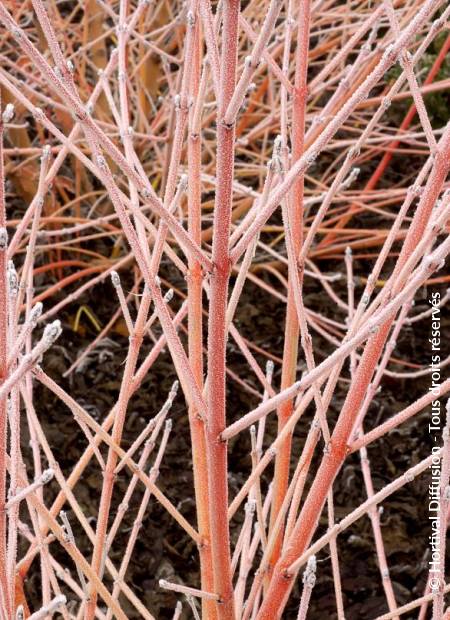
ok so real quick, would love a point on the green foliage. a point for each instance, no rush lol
(437, 103)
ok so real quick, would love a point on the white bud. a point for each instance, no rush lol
(351, 177)
(385, 103)
(47, 475)
(8, 113)
(174, 389)
(52, 331)
(168, 296)
(278, 145)
(13, 281)
(270, 367)
(115, 279)
(36, 312)
(3, 239)
(190, 19)
(250, 506)
(309, 576)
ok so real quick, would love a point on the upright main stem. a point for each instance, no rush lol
(295, 214)
(195, 340)
(217, 324)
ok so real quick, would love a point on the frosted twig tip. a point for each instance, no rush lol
(3, 239)
(8, 113)
(52, 332)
